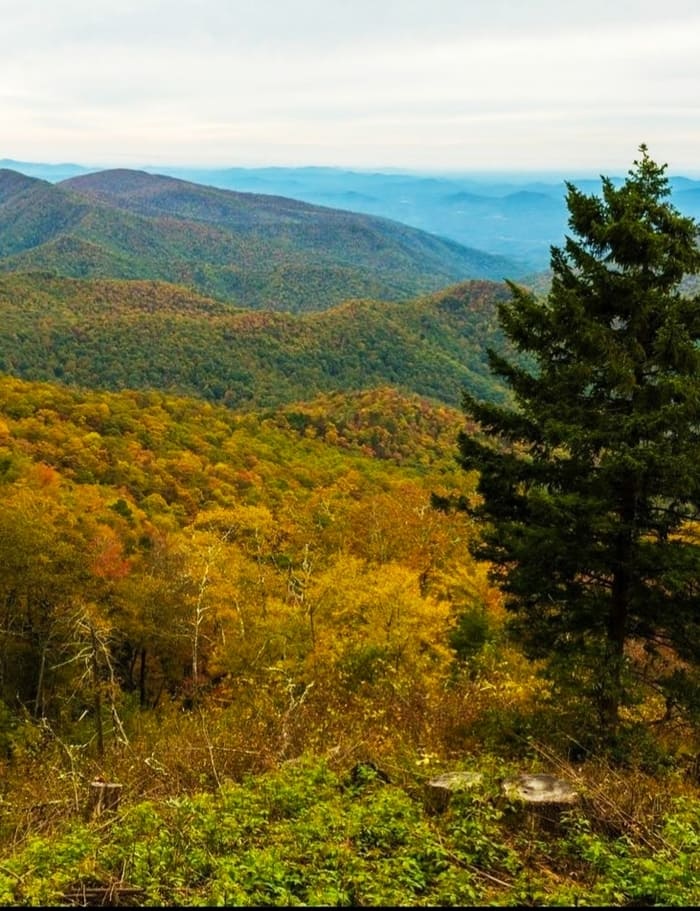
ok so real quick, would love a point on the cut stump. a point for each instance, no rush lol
(439, 790)
(104, 797)
(543, 797)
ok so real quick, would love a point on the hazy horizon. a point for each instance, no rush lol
(553, 175)
(450, 86)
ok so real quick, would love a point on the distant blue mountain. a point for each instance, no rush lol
(52, 172)
(517, 216)
(688, 201)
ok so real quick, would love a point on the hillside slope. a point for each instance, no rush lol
(258, 251)
(116, 334)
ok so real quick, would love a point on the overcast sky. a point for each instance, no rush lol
(417, 84)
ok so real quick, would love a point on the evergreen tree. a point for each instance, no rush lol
(591, 484)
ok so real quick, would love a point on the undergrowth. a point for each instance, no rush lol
(315, 831)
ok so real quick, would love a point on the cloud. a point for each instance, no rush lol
(217, 81)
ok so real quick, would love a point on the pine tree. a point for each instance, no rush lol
(590, 483)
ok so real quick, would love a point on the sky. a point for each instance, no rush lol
(423, 85)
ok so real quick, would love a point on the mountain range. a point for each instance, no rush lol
(514, 215)
(519, 216)
(258, 251)
(125, 279)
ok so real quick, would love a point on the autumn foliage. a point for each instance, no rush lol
(166, 548)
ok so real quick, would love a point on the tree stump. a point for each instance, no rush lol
(439, 790)
(104, 797)
(544, 798)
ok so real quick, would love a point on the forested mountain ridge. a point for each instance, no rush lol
(257, 251)
(517, 215)
(138, 334)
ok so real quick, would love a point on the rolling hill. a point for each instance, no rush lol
(108, 334)
(259, 251)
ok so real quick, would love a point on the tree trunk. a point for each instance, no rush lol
(97, 696)
(39, 708)
(142, 678)
(616, 632)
